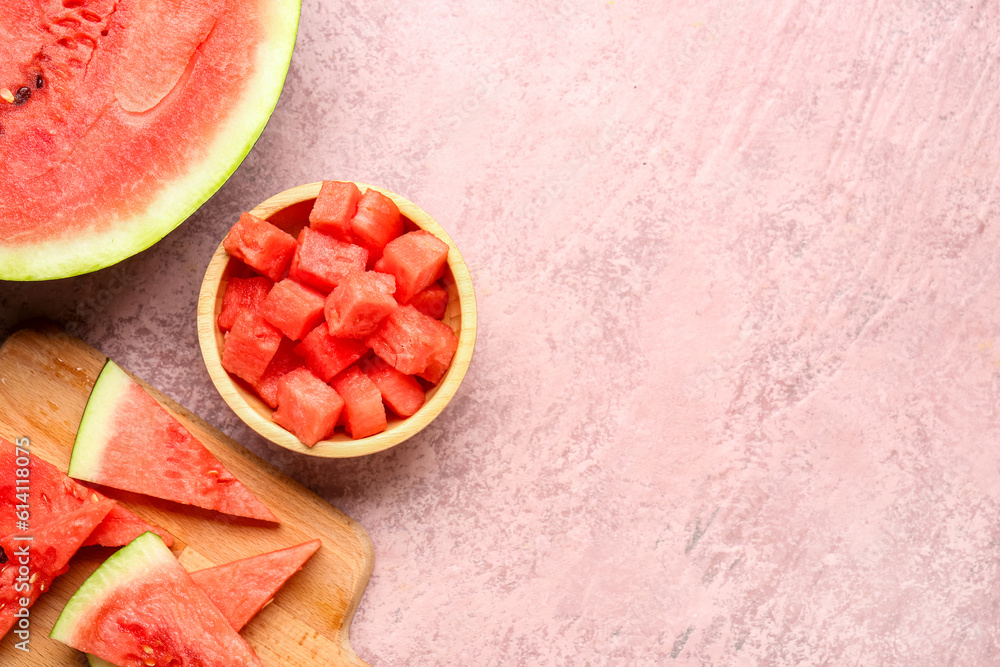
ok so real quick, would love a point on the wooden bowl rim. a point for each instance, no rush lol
(341, 446)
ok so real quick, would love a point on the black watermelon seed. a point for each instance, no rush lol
(39, 81)
(22, 95)
(3, 556)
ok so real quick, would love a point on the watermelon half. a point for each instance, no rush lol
(119, 118)
(141, 607)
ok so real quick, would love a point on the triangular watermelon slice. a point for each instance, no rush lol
(142, 606)
(52, 494)
(45, 552)
(129, 441)
(242, 588)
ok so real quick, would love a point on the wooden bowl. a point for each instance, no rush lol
(289, 210)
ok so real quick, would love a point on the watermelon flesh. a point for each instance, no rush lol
(241, 589)
(128, 115)
(356, 307)
(242, 295)
(260, 245)
(142, 608)
(285, 360)
(432, 302)
(250, 346)
(377, 222)
(364, 414)
(414, 343)
(335, 206)
(402, 393)
(326, 355)
(52, 495)
(307, 406)
(416, 259)
(293, 308)
(322, 261)
(48, 553)
(128, 441)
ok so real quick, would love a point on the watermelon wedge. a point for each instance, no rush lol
(35, 558)
(242, 588)
(52, 494)
(141, 607)
(129, 441)
(126, 115)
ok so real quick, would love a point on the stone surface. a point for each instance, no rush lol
(735, 394)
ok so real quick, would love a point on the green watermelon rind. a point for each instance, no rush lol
(92, 437)
(88, 251)
(133, 562)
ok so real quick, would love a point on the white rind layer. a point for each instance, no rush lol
(93, 435)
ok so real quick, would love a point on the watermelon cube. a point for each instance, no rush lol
(326, 355)
(364, 414)
(445, 348)
(249, 347)
(322, 261)
(293, 308)
(432, 301)
(335, 205)
(416, 259)
(307, 406)
(242, 294)
(402, 393)
(261, 245)
(414, 343)
(377, 222)
(359, 303)
(284, 361)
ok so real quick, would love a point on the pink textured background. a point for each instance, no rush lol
(735, 394)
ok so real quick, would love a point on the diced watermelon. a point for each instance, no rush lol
(412, 342)
(402, 393)
(307, 406)
(128, 441)
(249, 347)
(284, 360)
(377, 222)
(364, 414)
(356, 307)
(44, 554)
(293, 308)
(242, 588)
(261, 245)
(432, 302)
(52, 495)
(416, 259)
(325, 355)
(242, 294)
(447, 345)
(335, 205)
(322, 261)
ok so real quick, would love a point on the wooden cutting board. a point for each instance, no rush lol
(45, 379)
